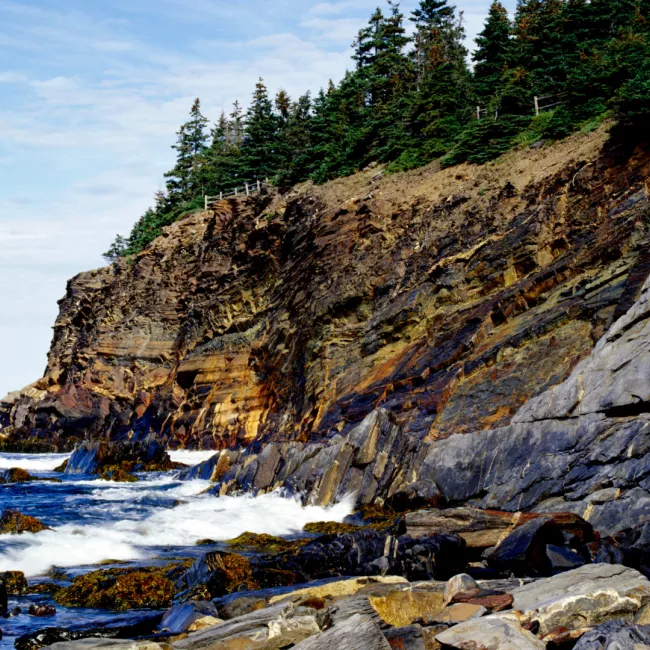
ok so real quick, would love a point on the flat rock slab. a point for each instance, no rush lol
(495, 632)
(458, 613)
(108, 644)
(276, 625)
(339, 588)
(356, 633)
(401, 608)
(583, 597)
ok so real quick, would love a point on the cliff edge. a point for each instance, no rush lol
(447, 297)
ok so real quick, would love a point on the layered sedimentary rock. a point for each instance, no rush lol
(447, 297)
(582, 447)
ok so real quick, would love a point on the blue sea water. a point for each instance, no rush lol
(156, 520)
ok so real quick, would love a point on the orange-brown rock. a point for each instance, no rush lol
(449, 297)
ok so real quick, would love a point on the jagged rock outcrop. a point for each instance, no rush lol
(581, 447)
(448, 297)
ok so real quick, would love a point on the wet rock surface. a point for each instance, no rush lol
(117, 458)
(13, 522)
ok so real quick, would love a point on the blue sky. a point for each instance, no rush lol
(91, 94)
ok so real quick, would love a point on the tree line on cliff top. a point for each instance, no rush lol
(411, 99)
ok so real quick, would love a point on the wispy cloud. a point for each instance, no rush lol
(92, 95)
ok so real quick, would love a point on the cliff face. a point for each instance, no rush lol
(448, 297)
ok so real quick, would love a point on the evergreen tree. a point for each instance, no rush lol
(295, 142)
(442, 100)
(187, 179)
(494, 52)
(224, 156)
(259, 153)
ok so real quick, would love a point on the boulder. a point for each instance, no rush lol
(106, 644)
(119, 589)
(523, 552)
(241, 606)
(457, 613)
(129, 455)
(340, 588)
(355, 633)
(411, 637)
(41, 610)
(15, 582)
(495, 632)
(615, 635)
(590, 595)
(13, 522)
(402, 608)
(493, 601)
(563, 559)
(457, 584)
(181, 617)
(372, 552)
(216, 574)
(277, 626)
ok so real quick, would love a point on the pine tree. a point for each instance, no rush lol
(494, 52)
(223, 157)
(295, 142)
(441, 103)
(186, 180)
(259, 146)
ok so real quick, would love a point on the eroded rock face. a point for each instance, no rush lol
(447, 297)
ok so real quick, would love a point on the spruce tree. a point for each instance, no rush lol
(494, 52)
(442, 100)
(186, 180)
(223, 157)
(259, 153)
(295, 142)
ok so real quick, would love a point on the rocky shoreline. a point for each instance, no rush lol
(474, 527)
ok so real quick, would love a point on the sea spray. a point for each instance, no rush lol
(171, 514)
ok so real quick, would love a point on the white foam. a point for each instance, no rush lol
(33, 462)
(190, 457)
(202, 517)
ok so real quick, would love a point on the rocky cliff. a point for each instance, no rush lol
(447, 297)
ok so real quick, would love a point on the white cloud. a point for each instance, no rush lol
(92, 100)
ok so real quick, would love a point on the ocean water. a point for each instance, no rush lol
(94, 521)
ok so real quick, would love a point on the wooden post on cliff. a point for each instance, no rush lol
(248, 193)
(259, 185)
(206, 201)
(536, 106)
(221, 196)
(478, 112)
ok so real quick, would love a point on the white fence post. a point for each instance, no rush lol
(247, 190)
(259, 185)
(206, 201)
(478, 112)
(536, 106)
(220, 196)
(236, 191)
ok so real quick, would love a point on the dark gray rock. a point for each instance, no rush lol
(372, 552)
(179, 617)
(615, 635)
(94, 457)
(523, 552)
(563, 559)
